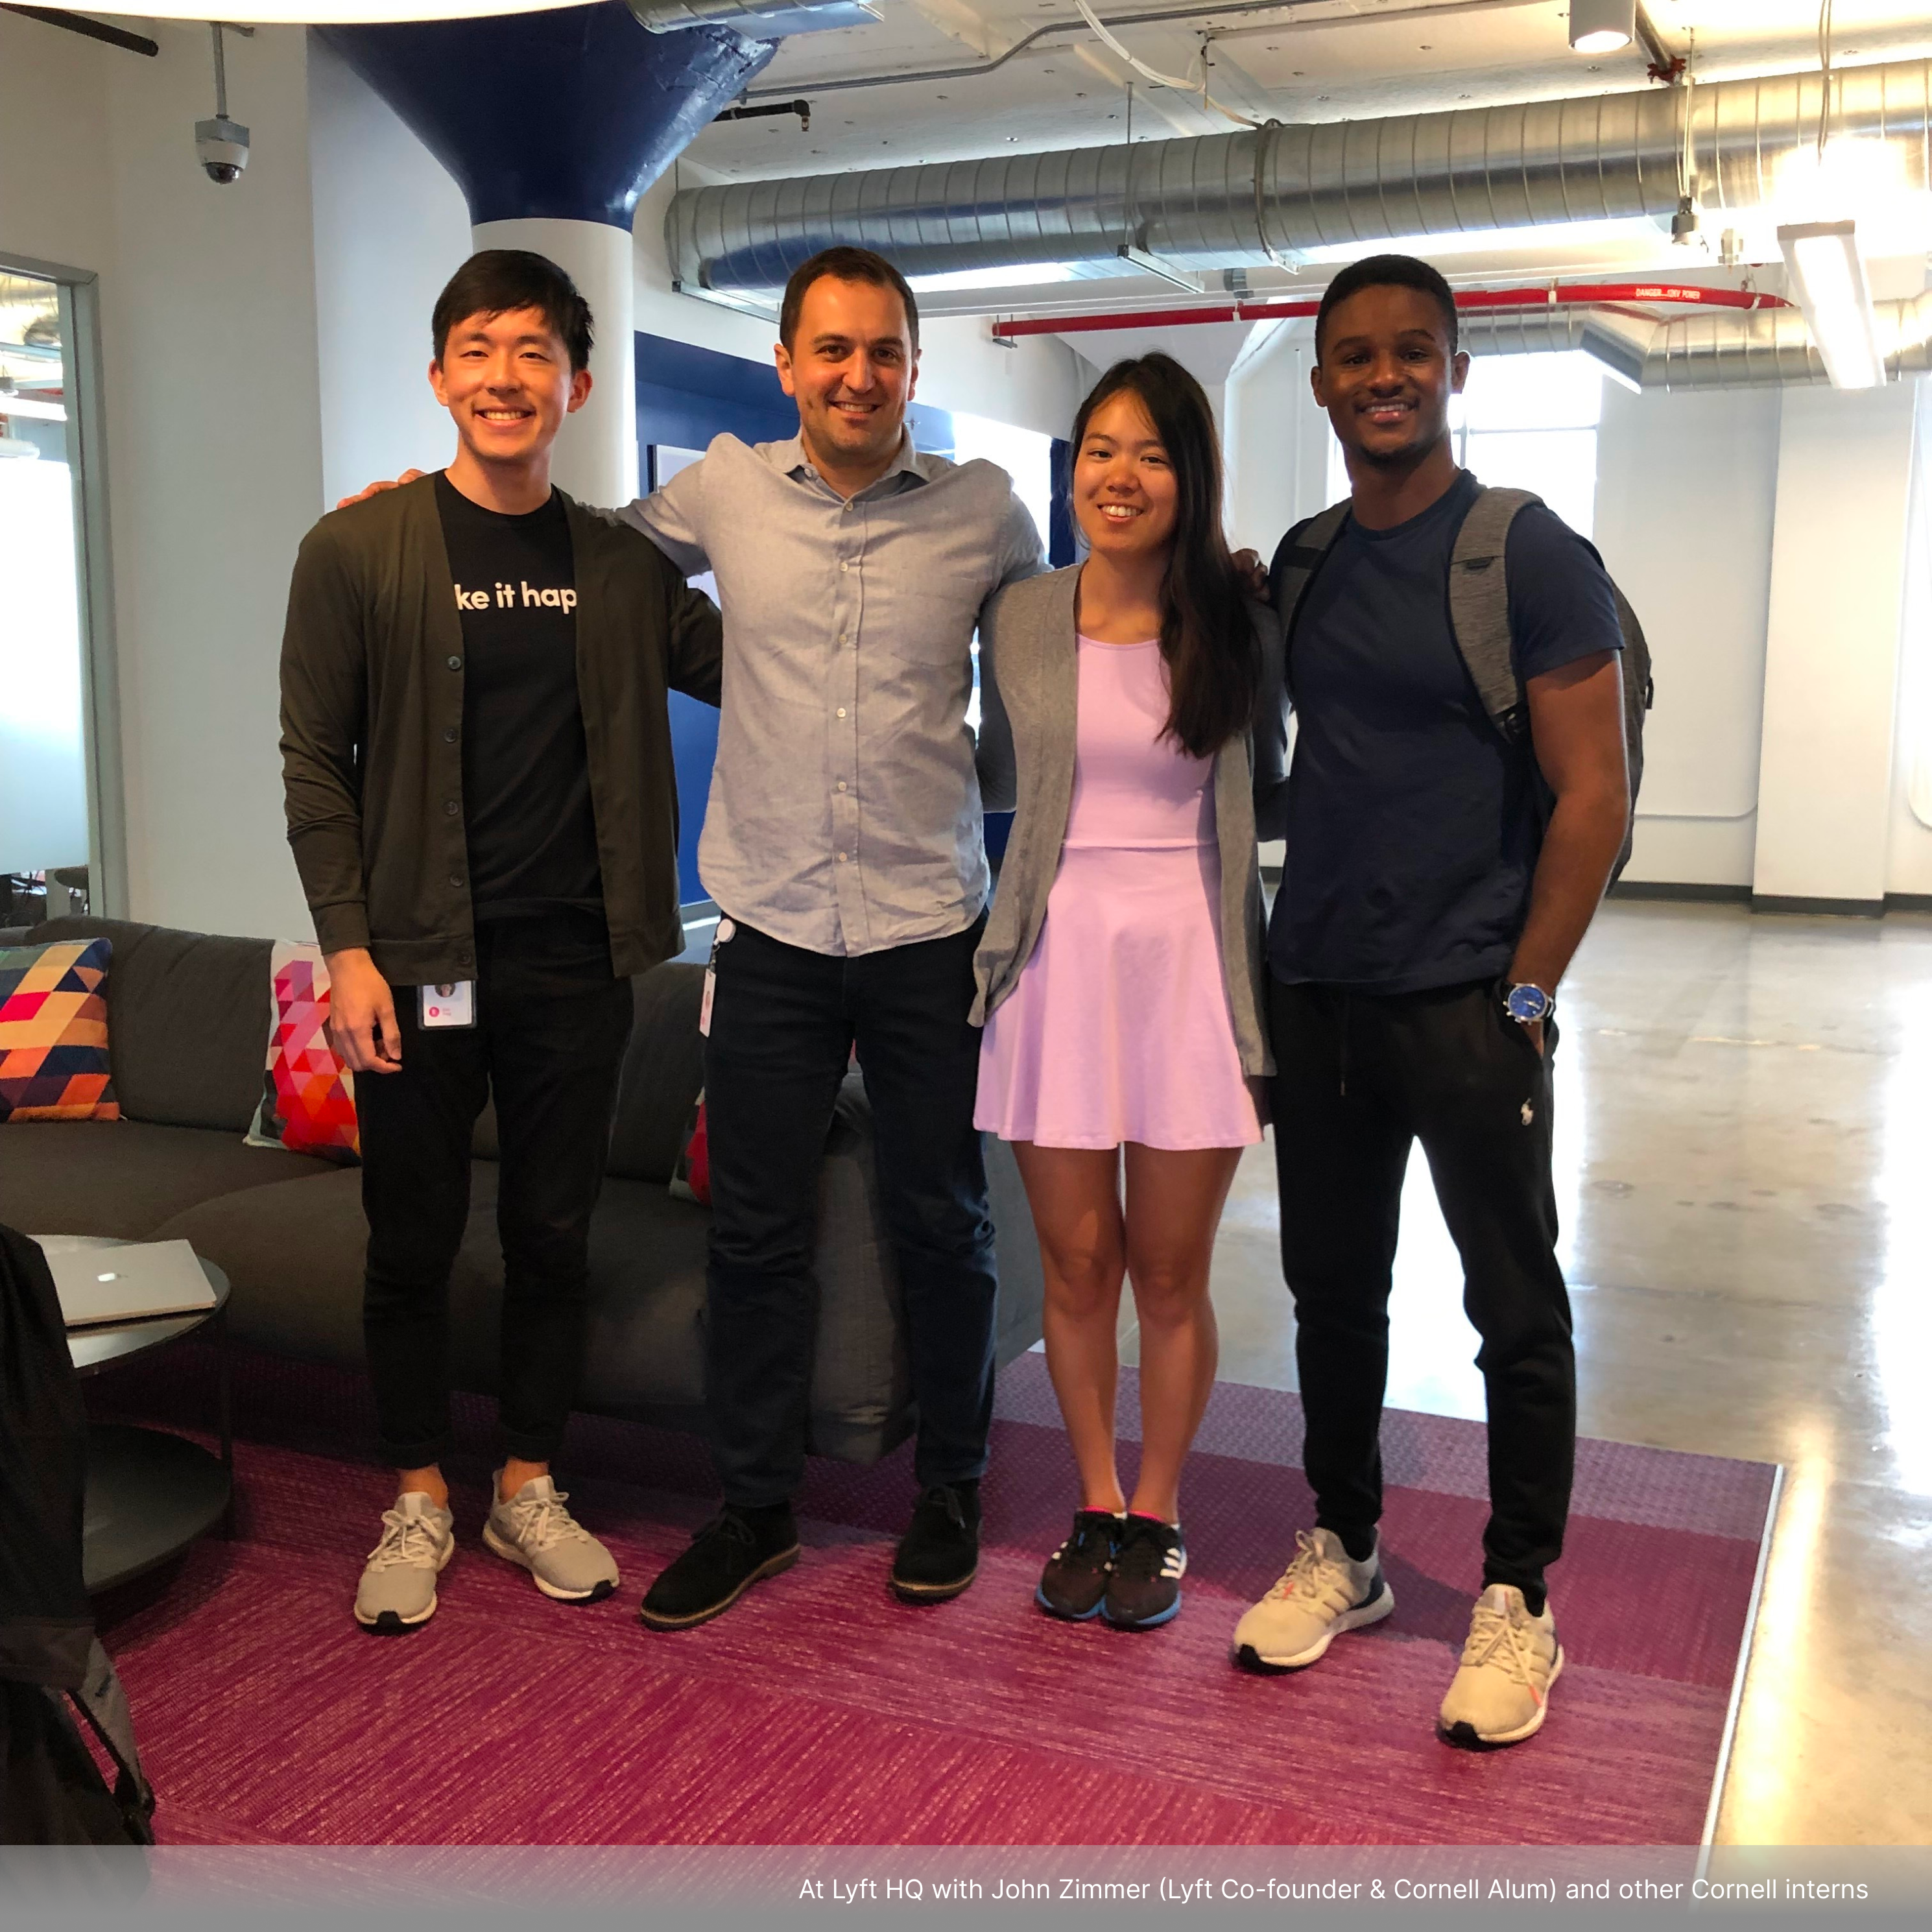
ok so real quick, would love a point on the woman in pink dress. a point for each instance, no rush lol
(1134, 714)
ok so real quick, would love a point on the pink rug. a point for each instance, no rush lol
(821, 1711)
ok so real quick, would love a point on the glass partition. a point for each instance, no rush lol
(44, 847)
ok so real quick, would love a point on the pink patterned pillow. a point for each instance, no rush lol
(308, 1096)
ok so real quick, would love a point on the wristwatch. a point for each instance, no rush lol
(1527, 1004)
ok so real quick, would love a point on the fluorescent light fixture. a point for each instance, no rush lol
(1035, 276)
(1829, 279)
(1602, 26)
(31, 408)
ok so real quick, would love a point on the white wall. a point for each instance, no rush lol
(391, 228)
(1825, 783)
(212, 425)
(1685, 489)
(1910, 868)
(1276, 442)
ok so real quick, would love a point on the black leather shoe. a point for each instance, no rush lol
(735, 1550)
(939, 1554)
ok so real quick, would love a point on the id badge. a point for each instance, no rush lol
(725, 930)
(451, 1004)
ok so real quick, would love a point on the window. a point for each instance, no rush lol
(1529, 422)
(44, 769)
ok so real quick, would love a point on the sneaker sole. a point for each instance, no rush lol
(393, 1623)
(1066, 1616)
(1466, 1737)
(657, 1621)
(933, 1593)
(1154, 1622)
(1247, 1657)
(510, 1553)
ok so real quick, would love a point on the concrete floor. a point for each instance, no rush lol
(1744, 1167)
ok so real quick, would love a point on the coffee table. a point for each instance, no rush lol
(150, 1494)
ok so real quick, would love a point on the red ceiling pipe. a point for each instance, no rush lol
(1266, 308)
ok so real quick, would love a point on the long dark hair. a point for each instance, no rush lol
(1206, 637)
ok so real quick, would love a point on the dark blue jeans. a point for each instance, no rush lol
(784, 1023)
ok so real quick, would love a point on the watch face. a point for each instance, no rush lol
(1527, 1002)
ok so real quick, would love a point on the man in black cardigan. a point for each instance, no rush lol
(477, 765)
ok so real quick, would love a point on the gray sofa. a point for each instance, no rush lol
(188, 1027)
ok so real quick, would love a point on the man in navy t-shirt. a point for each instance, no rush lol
(1437, 878)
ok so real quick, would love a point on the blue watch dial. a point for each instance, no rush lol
(1527, 1004)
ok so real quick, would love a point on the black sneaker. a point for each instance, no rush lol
(1074, 1579)
(939, 1554)
(1144, 1586)
(735, 1550)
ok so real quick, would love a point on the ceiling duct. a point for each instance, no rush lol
(1725, 349)
(1227, 199)
(763, 20)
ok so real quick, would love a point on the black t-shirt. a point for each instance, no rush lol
(1413, 829)
(532, 836)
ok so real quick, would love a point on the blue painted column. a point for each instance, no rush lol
(553, 124)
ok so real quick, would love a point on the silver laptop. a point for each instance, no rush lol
(139, 1282)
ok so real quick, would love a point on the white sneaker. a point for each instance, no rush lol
(397, 1592)
(1323, 1592)
(533, 1529)
(1500, 1693)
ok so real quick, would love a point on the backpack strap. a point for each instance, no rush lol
(1479, 607)
(102, 1702)
(1297, 557)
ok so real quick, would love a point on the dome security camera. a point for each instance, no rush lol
(221, 146)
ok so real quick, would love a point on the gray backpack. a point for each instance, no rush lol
(1479, 619)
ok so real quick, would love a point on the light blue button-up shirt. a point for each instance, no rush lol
(845, 814)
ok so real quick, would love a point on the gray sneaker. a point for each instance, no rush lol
(535, 1529)
(397, 1592)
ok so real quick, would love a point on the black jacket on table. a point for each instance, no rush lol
(372, 725)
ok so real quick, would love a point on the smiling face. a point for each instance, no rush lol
(1385, 373)
(507, 381)
(851, 367)
(1125, 496)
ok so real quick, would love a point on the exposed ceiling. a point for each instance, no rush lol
(1318, 60)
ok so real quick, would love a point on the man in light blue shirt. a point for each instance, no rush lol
(842, 844)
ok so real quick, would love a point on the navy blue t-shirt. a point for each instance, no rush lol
(1413, 829)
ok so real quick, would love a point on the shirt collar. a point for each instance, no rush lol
(905, 471)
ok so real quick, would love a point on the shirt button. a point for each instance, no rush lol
(843, 568)
(842, 785)
(449, 736)
(845, 636)
(456, 878)
(462, 959)
(841, 711)
(842, 858)
(451, 808)
(456, 663)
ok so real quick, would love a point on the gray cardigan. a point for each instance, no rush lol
(1029, 686)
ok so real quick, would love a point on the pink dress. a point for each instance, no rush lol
(1119, 1027)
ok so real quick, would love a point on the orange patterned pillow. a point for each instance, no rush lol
(308, 1096)
(53, 1032)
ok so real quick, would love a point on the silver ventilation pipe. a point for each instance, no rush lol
(1227, 199)
(669, 16)
(1723, 349)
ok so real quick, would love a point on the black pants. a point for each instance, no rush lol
(784, 1022)
(550, 1050)
(1360, 1077)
